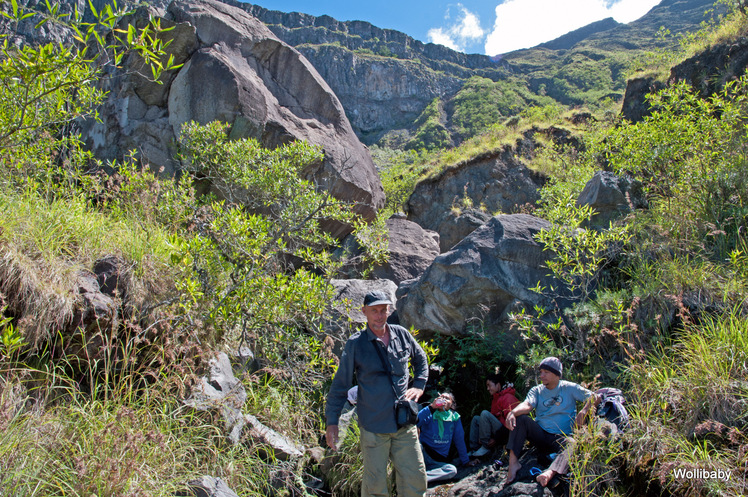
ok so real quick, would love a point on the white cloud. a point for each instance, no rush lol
(526, 23)
(464, 30)
(441, 37)
(631, 10)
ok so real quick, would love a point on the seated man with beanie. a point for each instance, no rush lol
(555, 404)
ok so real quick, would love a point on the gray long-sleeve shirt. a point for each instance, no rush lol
(376, 399)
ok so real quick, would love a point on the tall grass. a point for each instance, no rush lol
(65, 230)
(692, 408)
(58, 440)
(46, 244)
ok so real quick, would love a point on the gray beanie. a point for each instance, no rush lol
(552, 364)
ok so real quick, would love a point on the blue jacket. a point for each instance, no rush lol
(453, 433)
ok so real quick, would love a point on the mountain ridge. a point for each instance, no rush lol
(386, 79)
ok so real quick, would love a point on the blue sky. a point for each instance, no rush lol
(489, 27)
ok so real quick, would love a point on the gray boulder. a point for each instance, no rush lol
(410, 251)
(611, 197)
(220, 390)
(482, 278)
(238, 72)
(277, 446)
(464, 196)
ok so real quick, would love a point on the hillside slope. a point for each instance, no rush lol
(386, 79)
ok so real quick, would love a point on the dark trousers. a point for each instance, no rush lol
(529, 429)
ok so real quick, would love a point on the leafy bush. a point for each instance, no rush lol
(690, 155)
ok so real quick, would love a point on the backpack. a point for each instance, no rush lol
(611, 408)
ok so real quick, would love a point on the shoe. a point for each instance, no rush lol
(481, 451)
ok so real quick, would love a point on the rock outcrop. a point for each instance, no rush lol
(235, 71)
(635, 107)
(411, 249)
(465, 196)
(611, 197)
(707, 72)
(384, 78)
(482, 278)
(210, 486)
(219, 390)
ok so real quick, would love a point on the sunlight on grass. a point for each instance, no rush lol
(67, 229)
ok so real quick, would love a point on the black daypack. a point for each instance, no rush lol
(611, 408)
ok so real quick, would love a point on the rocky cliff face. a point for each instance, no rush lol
(465, 196)
(383, 78)
(707, 72)
(238, 72)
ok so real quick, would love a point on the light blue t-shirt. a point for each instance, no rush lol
(556, 409)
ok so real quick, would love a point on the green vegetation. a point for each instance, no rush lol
(430, 133)
(658, 296)
(666, 318)
(98, 408)
(691, 400)
(481, 102)
(400, 171)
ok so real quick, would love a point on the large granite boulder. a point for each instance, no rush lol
(611, 197)
(484, 276)
(462, 197)
(236, 71)
(411, 249)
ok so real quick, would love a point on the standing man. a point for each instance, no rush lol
(555, 403)
(381, 439)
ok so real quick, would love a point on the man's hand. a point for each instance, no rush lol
(584, 415)
(511, 421)
(331, 436)
(519, 410)
(413, 394)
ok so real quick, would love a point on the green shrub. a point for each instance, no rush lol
(690, 156)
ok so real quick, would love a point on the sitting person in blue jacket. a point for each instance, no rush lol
(442, 438)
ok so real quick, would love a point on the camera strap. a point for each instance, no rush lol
(385, 366)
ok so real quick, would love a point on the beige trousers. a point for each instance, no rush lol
(404, 450)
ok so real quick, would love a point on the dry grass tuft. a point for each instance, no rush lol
(40, 296)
